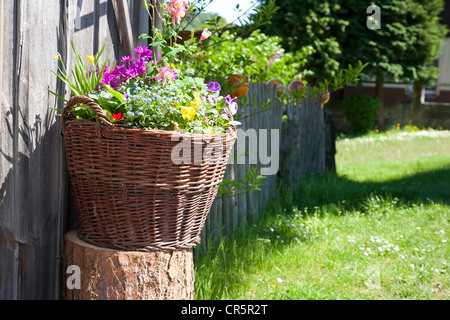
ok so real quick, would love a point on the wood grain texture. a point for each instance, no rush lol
(126, 275)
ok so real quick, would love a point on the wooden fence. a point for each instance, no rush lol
(35, 208)
(288, 148)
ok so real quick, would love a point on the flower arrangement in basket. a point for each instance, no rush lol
(146, 146)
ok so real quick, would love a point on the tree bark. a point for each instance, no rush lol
(379, 94)
(416, 101)
(94, 273)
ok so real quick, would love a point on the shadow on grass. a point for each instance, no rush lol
(223, 267)
(422, 187)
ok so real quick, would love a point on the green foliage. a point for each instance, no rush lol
(258, 57)
(252, 181)
(427, 34)
(408, 41)
(404, 47)
(83, 78)
(362, 111)
(311, 23)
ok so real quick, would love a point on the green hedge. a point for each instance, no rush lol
(362, 112)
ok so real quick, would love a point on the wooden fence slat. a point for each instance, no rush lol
(241, 165)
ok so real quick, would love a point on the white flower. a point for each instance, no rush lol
(279, 280)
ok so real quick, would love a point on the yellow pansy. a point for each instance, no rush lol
(194, 105)
(209, 131)
(188, 113)
(176, 126)
(196, 102)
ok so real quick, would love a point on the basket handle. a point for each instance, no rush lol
(102, 118)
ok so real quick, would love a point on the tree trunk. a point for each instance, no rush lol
(94, 273)
(416, 101)
(379, 94)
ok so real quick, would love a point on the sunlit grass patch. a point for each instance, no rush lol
(376, 230)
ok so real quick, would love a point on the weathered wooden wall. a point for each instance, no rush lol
(33, 183)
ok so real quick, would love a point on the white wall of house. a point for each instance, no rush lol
(443, 82)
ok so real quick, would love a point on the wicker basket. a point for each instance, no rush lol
(129, 194)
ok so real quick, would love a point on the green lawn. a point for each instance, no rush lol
(376, 230)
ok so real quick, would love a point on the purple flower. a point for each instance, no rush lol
(130, 68)
(127, 59)
(232, 105)
(143, 51)
(214, 86)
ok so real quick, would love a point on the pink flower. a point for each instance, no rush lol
(205, 35)
(166, 73)
(178, 9)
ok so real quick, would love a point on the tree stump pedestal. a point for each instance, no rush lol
(95, 273)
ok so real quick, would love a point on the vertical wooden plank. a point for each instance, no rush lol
(249, 110)
(140, 22)
(274, 120)
(218, 225)
(257, 126)
(241, 160)
(39, 256)
(212, 226)
(126, 32)
(264, 142)
(228, 200)
(8, 246)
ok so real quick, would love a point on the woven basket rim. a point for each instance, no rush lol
(150, 131)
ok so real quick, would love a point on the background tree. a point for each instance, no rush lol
(204, 20)
(311, 23)
(427, 34)
(403, 48)
(407, 42)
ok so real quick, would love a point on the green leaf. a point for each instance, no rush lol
(115, 93)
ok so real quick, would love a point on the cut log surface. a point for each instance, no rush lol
(106, 274)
